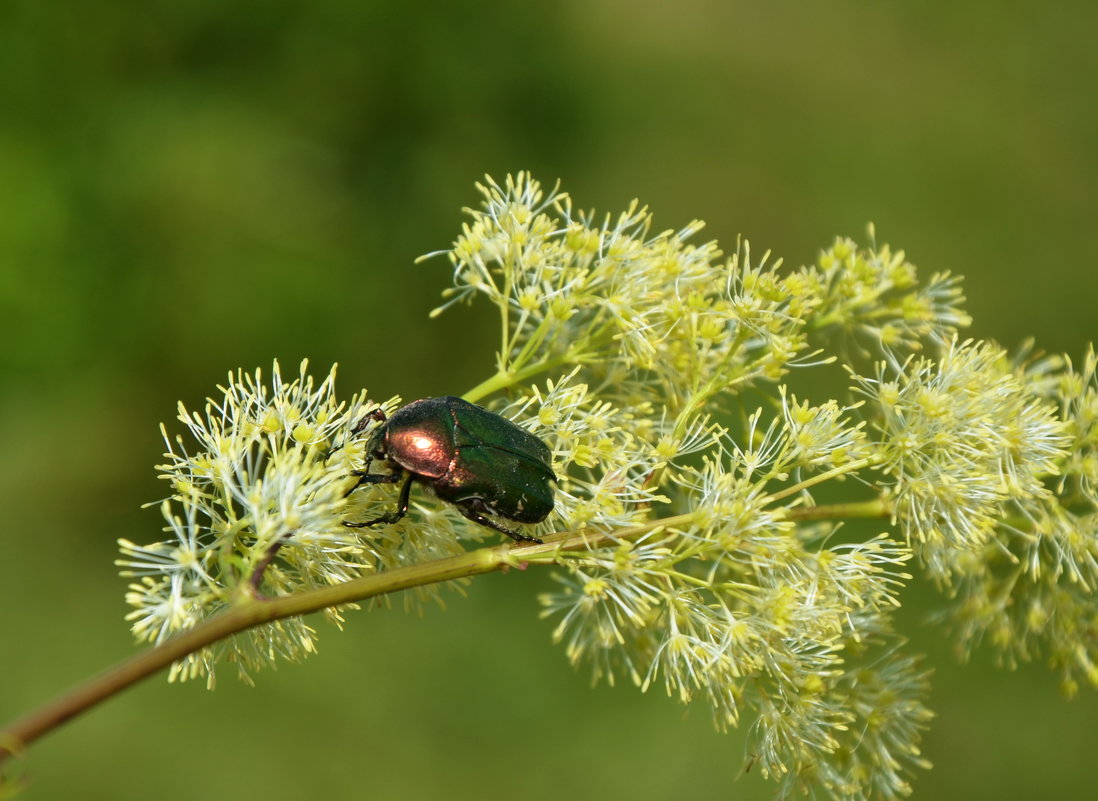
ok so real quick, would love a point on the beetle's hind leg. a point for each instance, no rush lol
(472, 514)
(402, 501)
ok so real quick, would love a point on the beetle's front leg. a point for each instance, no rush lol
(365, 477)
(402, 501)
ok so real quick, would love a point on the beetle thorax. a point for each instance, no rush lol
(420, 449)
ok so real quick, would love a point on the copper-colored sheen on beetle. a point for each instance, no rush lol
(475, 459)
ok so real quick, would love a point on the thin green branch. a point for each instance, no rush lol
(877, 507)
(503, 380)
(849, 467)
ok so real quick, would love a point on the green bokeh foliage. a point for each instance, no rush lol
(191, 187)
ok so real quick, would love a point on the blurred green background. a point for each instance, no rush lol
(191, 187)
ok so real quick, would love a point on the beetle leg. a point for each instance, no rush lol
(402, 501)
(374, 478)
(477, 517)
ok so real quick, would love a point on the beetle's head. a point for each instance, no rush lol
(375, 441)
(375, 444)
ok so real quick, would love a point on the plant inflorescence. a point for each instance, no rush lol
(691, 546)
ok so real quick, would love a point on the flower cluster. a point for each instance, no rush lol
(255, 475)
(875, 293)
(694, 548)
(961, 437)
(989, 462)
(1026, 584)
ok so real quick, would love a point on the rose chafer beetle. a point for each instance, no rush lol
(475, 459)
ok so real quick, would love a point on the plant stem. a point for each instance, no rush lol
(249, 613)
(849, 467)
(253, 611)
(877, 507)
(502, 380)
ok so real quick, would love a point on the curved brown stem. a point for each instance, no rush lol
(253, 610)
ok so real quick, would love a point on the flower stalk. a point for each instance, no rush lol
(242, 616)
(251, 611)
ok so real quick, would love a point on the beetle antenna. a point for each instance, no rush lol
(376, 414)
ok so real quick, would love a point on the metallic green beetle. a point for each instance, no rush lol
(475, 459)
